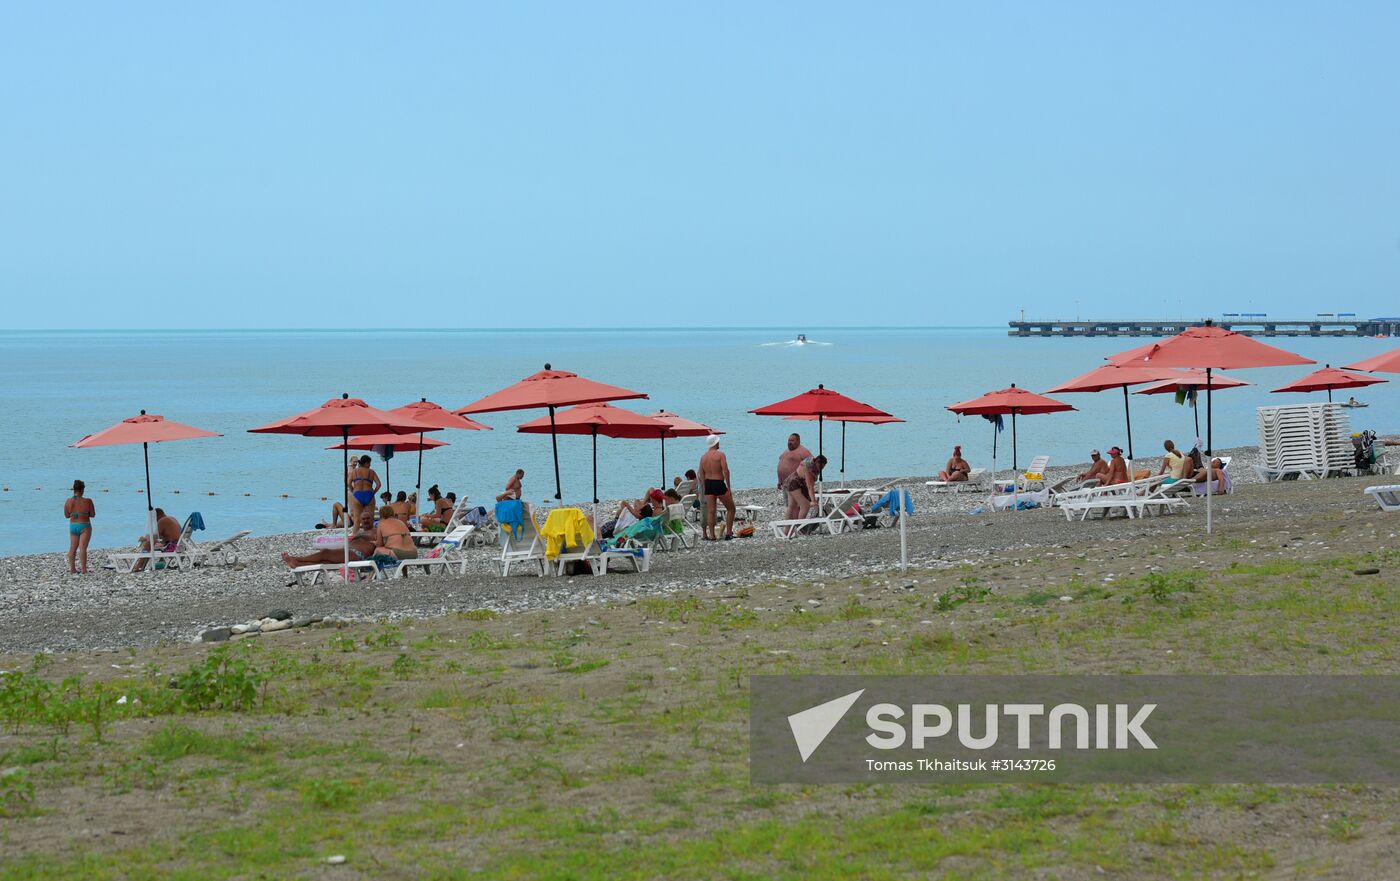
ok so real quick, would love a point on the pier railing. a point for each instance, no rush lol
(1367, 327)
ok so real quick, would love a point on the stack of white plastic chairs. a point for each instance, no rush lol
(1307, 440)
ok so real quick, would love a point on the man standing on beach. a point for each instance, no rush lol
(715, 485)
(789, 460)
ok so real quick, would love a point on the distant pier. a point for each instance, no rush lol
(1249, 325)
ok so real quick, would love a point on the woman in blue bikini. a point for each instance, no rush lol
(79, 510)
(363, 484)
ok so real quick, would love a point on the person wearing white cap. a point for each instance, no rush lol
(1098, 469)
(715, 486)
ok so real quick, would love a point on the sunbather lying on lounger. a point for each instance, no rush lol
(1217, 473)
(362, 544)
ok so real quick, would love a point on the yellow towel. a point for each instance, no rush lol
(565, 528)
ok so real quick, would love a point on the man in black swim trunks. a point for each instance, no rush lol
(715, 486)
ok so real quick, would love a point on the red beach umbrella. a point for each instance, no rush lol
(145, 429)
(678, 426)
(434, 417)
(820, 402)
(1210, 348)
(1008, 400)
(398, 443)
(550, 389)
(865, 420)
(342, 417)
(1386, 362)
(1190, 381)
(593, 420)
(1111, 376)
(1328, 378)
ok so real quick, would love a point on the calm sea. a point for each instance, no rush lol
(58, 387)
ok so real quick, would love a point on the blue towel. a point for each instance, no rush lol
(891, 500)
(511, 515)
(196, 522)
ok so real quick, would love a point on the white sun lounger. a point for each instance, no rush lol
(182, 557)
(976, 480)
(1387, 497)
(1037, 466)
(450, 552)
(359, 570)
(527, 548)
(222, 553)
(1135, 499)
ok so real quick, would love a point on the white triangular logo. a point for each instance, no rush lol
(810, 727)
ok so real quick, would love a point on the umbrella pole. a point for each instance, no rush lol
(1015, 463)
(1208, 454)
(345, 496)
(992, 500)
(1329, 394)
(150, 505)
(1196, 412)
(595, 464)
(1128, 417)
(819, 434)
(663, 460)
(554, 441)
(418, 490)
(843, 453)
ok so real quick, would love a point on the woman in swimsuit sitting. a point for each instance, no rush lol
(394, 540)
(362, 545)
(801, 487)
(957, 467)
(79, 510)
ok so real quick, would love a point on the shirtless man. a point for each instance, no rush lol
(789, 459)
(514, 487)
(1098, 468)
(362, 544)
(714, 483)
(167, 537)
(1117, 468)
(394, 540)
(363, 484)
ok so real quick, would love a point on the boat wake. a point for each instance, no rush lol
(801, 340)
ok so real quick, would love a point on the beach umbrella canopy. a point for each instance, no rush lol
(1386, 362)
(390, 443)
(399, 443)
(866, 420)
(1112, 376)
(821, 403)
(678, 426)
(550, 389)
(1014, 401)
(1209, 348)
(596, 419)
(434, 417)
(144, 429)
(1186, 384)
(341, 417)
(1329, 378)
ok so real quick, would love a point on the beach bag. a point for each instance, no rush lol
(744, 530)
(608, 528)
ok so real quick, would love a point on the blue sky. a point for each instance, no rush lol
(569, 164)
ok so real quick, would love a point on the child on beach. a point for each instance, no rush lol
(79, 510)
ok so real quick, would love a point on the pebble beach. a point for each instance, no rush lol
(42, 609)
